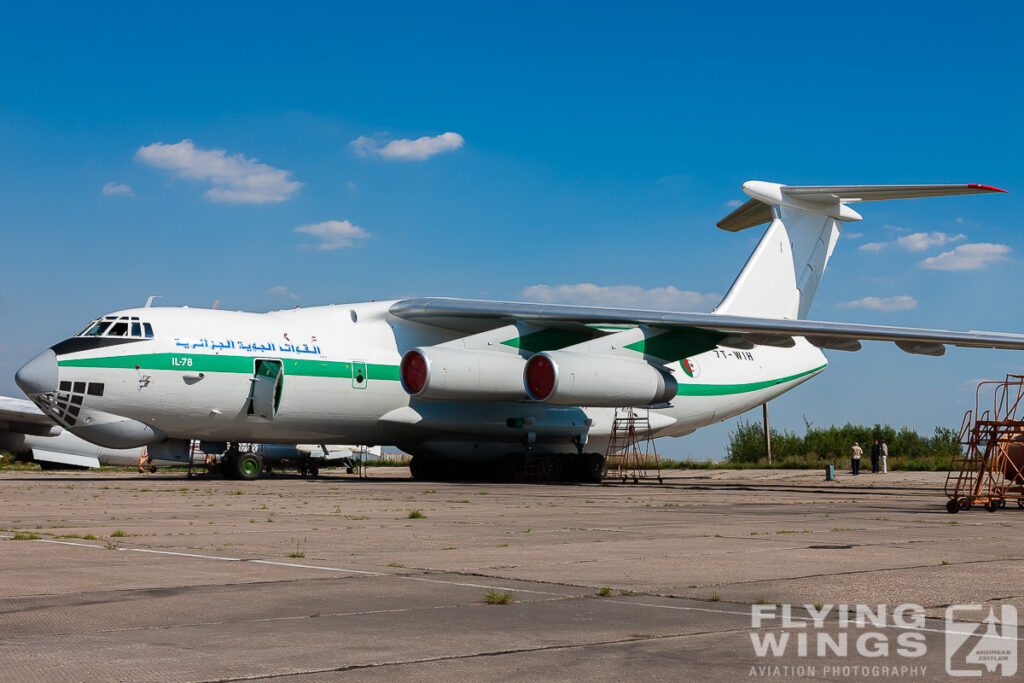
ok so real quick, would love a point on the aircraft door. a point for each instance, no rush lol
(359, 378)
(265, 392)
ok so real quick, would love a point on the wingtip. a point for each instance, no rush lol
(985, 188)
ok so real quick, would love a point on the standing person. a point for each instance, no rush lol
(885, 457)
(855, 454)
(876, 455)
(146, 461)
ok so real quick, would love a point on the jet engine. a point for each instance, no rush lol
(563, 378)
(466, 374)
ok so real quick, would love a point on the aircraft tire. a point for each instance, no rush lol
(593, 468)
(555, 467)
(247, 466)
(227, 467)
(419, 468)
(504, 469)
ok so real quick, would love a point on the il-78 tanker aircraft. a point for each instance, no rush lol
(457, 380)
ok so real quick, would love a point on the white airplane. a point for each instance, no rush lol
(457, 380)
(27, 431)
(30, 433)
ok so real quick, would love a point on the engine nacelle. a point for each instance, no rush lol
(562, 378)
(462, 374)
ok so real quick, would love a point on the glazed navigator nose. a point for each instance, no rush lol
(39, 375)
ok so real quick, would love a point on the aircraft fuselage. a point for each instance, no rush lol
(182, 373)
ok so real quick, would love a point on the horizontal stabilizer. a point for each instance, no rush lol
(757, 211)
(874, 193)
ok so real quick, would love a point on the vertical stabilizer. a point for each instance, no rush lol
(766, 287)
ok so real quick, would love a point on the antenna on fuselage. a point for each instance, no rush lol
(149, 301)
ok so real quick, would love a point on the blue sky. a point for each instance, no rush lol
(593, 143)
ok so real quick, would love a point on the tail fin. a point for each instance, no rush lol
(782, 276)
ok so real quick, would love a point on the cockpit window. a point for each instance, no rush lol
(97, 329)
(114, 326)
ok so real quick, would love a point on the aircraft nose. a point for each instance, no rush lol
(39, 375)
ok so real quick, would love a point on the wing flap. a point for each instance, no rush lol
(65, 458)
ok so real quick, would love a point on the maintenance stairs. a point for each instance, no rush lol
(631, 450)
(989, 469)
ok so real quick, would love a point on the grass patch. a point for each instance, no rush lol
(397, 565)
(495, 598)
(945, 562)
(604, 591)
(118, 533)
(25, 537)
(714, 597)
(416, 514)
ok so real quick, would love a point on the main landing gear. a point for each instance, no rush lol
(567, 467)
(245, 465)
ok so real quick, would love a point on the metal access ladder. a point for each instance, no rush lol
(631, 450)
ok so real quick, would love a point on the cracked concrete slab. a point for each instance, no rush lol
(158, 577)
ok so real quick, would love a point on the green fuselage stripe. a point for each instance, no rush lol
(183, 362)
(726, 389)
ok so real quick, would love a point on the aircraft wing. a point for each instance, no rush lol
(737, 331)
(21, 412)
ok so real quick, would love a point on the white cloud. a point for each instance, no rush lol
(408, 150)
(971, 385)
(733, 203)
(281, 290)
(893, 228)
(334, 234)
(110, 189)
(919, 241)
(351, 187)
(889, 303)
(235, 178)
(968, 257)
(631, 296)
(854, 235)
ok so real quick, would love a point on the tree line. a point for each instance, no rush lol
(821, 446)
